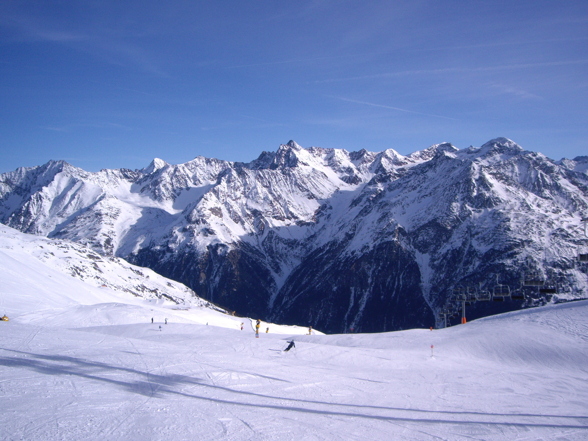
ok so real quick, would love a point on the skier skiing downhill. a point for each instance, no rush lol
(290, 346)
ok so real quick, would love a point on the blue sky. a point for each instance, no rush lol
(111, 84)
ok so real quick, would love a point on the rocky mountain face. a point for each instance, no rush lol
(343, 241)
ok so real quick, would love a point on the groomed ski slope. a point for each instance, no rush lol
(99, 369)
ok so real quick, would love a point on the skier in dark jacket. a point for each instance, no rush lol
(290, 346)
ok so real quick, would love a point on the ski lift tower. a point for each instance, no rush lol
(443, 316)
(583, 257)
(459, 296)
(463, 314)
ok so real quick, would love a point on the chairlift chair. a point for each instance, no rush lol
(583, 257)
(470, 295)
(518, 295)
(459, 294)
(483, 295)
(533, 279)
(501, 293)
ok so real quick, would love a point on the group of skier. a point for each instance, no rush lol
(291, 343)
(160, 325)
(257, 326)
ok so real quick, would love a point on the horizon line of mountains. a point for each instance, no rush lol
(340, 241)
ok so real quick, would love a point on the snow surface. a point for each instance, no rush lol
(83, 362)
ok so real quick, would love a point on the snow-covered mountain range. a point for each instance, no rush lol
(338, 240)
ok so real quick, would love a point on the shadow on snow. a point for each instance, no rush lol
(157, 386)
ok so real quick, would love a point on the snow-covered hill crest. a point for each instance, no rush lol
(340, 240)
(31, 264)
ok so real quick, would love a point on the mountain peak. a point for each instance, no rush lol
(502, 144)
(286, 155)
(432, 151)
(56, 166)
(155, 165)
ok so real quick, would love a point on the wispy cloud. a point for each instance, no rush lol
(515, 91)
(68, 128)
(118, 52)
(399, 109)
(293, 61)
(30, 29)
(494, 44)
(56, 129)
(98, 41)
(455, 70)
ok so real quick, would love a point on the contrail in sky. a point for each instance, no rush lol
(454, 70)
(365, 103)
